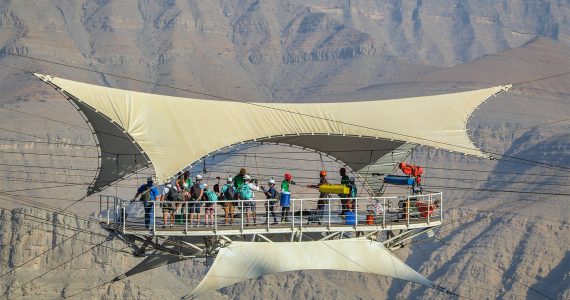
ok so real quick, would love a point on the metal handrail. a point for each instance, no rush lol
(310, 212)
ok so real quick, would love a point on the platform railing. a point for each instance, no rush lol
(267, 213)
(109, 209)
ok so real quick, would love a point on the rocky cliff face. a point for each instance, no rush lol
(264, 50)
(25, 234)
(495, 245)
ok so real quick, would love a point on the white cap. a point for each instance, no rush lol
(247, 177)
(198, 177)
(169, 185)
(351, 179)
(205, 185)
(230, 179)
(271, 181)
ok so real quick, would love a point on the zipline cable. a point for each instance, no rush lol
(67, 238)
(47, 154)
(48, 167)
(42, 117)
(450, 292)
(463, 225)
(60, 265)
(89, 289)
(500, 270)
(42, 253)
(47, 142)
(31, 203)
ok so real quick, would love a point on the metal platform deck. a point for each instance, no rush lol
(370, 214)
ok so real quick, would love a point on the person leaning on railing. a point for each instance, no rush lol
(148, 194)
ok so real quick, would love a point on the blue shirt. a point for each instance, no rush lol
(272, 193)
(153, 191)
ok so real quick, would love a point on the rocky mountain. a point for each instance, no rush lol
(493, 245)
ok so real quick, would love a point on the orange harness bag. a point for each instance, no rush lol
(424, 209)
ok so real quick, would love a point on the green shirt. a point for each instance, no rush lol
(345, 180)
(239, 181)
(285, 186)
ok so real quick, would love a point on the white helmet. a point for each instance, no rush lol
(230, 179)
(271, 181)
(247, 177)
(198, 177)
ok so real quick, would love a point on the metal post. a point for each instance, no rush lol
(242, 209)
(124, 211)
(355, 212)
(301, 222)
(108, 212)
(100, 207)
(329, 201)
(408, 211)
(267, 212)
(117, 209)
(154, 216)
(292, 213)
(441, 207)
(215, 216)
(384, 213)
(429, 208)
(185, 208)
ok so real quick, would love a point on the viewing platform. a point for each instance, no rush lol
(311, 215)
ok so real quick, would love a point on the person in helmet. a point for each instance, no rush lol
(271, 195)
(210, 198)
(286, 187)
(229, 195)
(344, 197)
(196, 194)
(323, 197)
(247, 195)
(149, 193)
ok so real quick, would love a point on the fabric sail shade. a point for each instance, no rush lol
(245, 260)
(134, 128)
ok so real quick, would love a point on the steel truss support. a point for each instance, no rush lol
(396, 241)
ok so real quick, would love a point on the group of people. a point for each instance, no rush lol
(186, 197)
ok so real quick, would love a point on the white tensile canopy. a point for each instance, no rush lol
(245, 260)
(136, 129)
